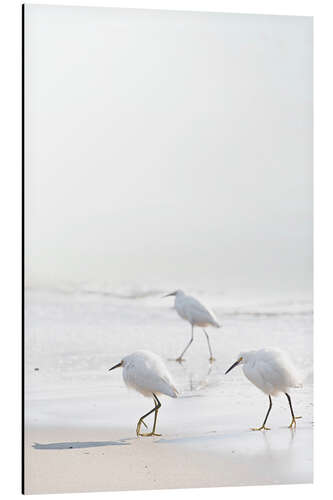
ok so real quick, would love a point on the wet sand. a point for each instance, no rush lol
(78, 460)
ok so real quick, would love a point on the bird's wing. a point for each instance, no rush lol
(195, 309)
(273, 378)
(168, 387)
(282, 371)
(255, 375)
(261, 375)
(161, 383)
(151, 376)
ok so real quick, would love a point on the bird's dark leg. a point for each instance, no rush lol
(264, 422)
(138, 427)
(211, 359)
(155, 409)
(293, 420)
(180, 358)
(156, 412)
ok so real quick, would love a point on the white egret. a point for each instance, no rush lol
(272, 372)
(145, 372)
(193, 311)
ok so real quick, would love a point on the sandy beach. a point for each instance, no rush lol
(80, 418)
(77, 460)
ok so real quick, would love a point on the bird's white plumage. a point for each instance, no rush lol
(270, 370)
(190, 309)
(146, 372)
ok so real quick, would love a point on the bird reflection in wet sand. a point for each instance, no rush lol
(197, 381)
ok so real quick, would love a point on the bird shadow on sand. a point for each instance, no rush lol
(76, 444)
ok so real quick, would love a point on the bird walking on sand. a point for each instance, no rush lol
(146, 373)
(272, 372)
(193, 311)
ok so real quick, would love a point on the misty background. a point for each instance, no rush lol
(168, 149)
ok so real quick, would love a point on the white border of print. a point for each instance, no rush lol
(10, 210)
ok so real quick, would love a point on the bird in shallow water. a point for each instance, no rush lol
(190, 309)
(272, 372)
(145, 372)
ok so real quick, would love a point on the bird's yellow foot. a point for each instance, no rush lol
(293, 423)
(262, 428)
(211, 359)
(148, 434)
(138, 427)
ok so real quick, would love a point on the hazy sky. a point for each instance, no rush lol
(167, 147)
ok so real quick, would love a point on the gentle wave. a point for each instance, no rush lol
(227, 304)
(103, 290)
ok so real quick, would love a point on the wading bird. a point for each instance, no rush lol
(146, 373)
(191, 310)
(272, 372)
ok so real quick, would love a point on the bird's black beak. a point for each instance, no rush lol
(116, 366)
(233, 366)
(168, 295)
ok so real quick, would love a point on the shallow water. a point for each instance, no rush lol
(72, 339)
